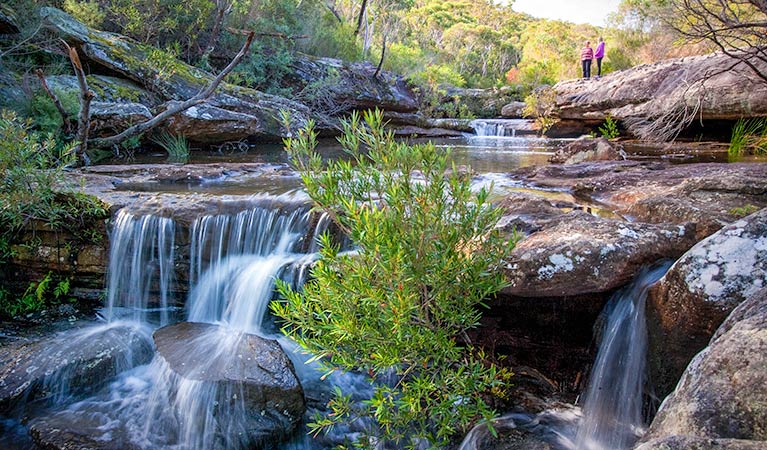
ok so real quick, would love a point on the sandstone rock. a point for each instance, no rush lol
(58, 432)
(721, 396)
(699, 291)
(640, 94)
(78, 360)
(529, 213)
(258, 113)
(657, 192)
(244, 377)
(584, 254)
(588, 149)
(513, 110)
(693, 443)
(112, 118)
(485, 103)
(332, 83)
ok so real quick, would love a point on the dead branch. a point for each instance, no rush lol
(83, 117)
(174, 107)
(56, 102)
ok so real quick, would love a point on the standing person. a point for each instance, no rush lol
(587, 54)
(599, 53)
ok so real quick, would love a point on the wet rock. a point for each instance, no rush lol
(641, 94)
(722, 394)
(708, 195)
(256, 113)
(249, 377)
(57, 432)
(699, 291)
(585, 254)
(527, 213)
(588, 149)
(80, 360)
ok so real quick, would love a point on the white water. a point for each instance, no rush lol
(502, 127)
(611, 415)
(234, 262)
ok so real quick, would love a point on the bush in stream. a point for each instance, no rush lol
(397, 308)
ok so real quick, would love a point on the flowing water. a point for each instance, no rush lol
(233, 262)
(610, 417)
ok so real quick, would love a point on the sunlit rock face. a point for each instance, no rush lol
(642, 94)
(700, 290)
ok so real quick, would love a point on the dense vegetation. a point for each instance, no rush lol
(426, 255)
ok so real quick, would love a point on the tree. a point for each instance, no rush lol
(397, 307)
(738, 28)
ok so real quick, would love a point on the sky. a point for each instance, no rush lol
(578, 11)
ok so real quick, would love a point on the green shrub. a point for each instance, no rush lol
(609, 129)
(87, 12)
(749, 136)
(541, 105)
(427, 254)
(32, 182)
(176, 145)
(37, 297)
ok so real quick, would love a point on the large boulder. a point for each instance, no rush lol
(586, 254)
(588, 149)
(76, 360)
(699, 291)
(721, 400)
(256, 113)
(246, 382)
(336, 87)
(642, 94)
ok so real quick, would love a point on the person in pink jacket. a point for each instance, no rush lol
(587, 54)
(599, 53)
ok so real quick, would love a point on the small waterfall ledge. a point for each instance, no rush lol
(500, 128)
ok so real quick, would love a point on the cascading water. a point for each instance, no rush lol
(498, 128)
(141, 259)
(612, 409)
(611, 416)
(234, 261)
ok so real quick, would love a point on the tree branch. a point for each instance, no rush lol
(56, 102)
(176, 108)
(83, 117)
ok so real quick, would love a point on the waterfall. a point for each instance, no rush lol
(141, 258)
(612, 409)
(611, 417)
(502, 127)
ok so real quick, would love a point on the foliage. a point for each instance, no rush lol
(398, 306)
(36, 297)
(43, 112)
(176, 145)
(32, 180)
(609, 129)
(744, 211)
(749, 136)
(541, 106)
(87, 12)
(264, 69)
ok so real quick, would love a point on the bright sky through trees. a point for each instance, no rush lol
(578, 11)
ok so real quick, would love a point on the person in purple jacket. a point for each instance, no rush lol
(587, 54)
(599, 53)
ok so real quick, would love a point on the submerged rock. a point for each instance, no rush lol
(243, 383)
(80, 360)
(721, 400)
(585, 254)
(699, 291)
